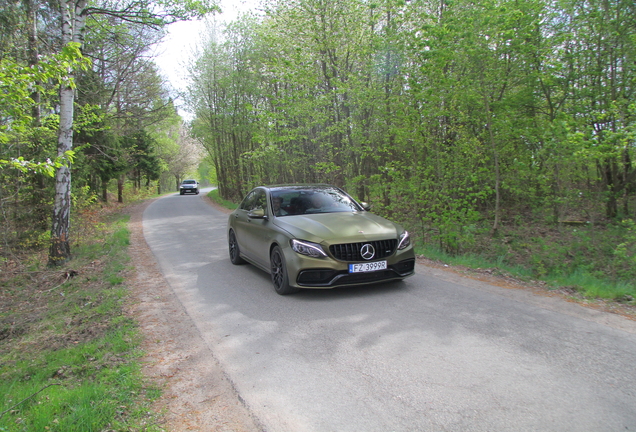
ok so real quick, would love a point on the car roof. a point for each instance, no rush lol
(299, 186)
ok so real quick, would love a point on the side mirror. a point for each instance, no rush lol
(366, 206)
(257, 214)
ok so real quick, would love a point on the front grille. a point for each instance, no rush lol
(351, 251)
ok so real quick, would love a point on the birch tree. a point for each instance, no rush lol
(73, 15)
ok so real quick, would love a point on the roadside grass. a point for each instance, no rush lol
(592, 287)
(472, 261)
(214, 196)
(588, 283)
(69, 355)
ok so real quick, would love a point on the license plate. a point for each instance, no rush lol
(367, 267)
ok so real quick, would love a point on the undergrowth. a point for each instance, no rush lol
(598, 261)
(69, 355)
(214, 196)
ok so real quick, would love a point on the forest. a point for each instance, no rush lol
(82, 98)
(499, 128)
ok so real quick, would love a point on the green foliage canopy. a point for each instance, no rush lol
(451, 116)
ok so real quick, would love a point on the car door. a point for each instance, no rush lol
(253, 233)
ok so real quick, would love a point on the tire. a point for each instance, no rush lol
(235, 252)
(280, 278)
(181, 192)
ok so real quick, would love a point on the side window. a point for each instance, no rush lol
(247, 202)
(259, 200)
(254, 200)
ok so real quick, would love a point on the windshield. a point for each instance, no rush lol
(189, 182)
(287, 202)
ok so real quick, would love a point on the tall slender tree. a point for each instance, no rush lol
(73, 14)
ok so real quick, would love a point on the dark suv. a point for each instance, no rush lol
(189, 186)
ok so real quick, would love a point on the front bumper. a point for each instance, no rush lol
(324, 273)
(327, 278)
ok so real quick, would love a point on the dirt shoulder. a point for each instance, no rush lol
(198, 395)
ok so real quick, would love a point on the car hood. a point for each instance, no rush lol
(335, 228)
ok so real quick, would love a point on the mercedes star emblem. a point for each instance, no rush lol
(367, 251)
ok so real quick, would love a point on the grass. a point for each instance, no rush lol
(472, 261)
(214, 196)
(552, 263)
(592, 287)
(69, 355)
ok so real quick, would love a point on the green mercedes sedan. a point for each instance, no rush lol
(316, 236)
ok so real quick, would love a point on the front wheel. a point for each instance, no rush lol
(280, 279)
(235, 253)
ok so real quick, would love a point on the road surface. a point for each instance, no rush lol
(431, 353)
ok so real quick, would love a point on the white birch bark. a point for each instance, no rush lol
(73, 22)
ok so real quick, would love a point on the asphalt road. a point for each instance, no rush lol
(431, 353)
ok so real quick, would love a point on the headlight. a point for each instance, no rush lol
(404, 241)
(313, 250)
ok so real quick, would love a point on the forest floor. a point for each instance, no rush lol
(197, 394)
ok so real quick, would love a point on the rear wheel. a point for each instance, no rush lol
(280, 279)
(235, 253)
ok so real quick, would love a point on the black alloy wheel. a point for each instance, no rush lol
(235, 255)
(279, 275)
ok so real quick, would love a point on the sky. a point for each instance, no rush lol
(183, 38)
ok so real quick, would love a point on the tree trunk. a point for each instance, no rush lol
(34, 56)
(73, 23)
(120, 189)
(60, 250)
(104, 190)
(495, 154)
